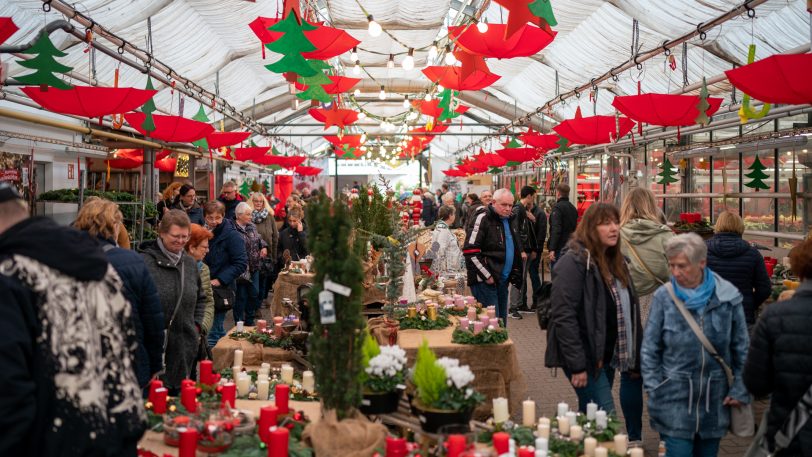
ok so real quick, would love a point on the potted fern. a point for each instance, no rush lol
(444, 394)
(383, 377)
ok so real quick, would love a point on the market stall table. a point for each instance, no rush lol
(253, 354)
(287, 286)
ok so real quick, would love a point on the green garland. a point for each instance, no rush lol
(495, 336)
(268, 341)
(422, 322)
(251, 446)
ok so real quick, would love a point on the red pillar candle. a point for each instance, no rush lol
(228, 394)
(396, 447)
(455, 445)
(501, 443)
(159, 402)
(187, 383)
(282, 395)
(153, 385)
(278, 442)
(525, 451)
(267, 419)
(188, 398)
(188, 442)
(206, 372)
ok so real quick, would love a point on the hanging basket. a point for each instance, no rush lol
(432, 419)
(381, 403)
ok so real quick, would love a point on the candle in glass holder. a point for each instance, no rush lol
(501, 443)
(471, 313)
(500, 410)
(243, 385)
(478, 327)
(287, 374)
(576, 433)
(188, 398)
(601, 452)
(240, 326)
(564, 425)
(228, 394)
(278, 440)
(591, 409)
(621, 443)
(262, 324)
(237, 358)
(282, 397)
(542, 444)
(563, 409)
(308, 381)
(601, 421)
(464, 323)
(187, 446)
(589, 446)
(455, 445)
(159, 400)
(528, 413)
(544, 430)
(411, 312)
(431, 310)
(263, 388)
(490, 311)
(636, 452)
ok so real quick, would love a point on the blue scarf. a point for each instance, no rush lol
(696, 299)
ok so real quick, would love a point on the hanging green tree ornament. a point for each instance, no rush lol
(148, 108)
(562, 144)
(703, 105)
(513, 144)
(449, 103)
(245, 188)
(544, 10)
(201, 117)
(291, 45)
(45, 65)
(315, 91)
(745, 112)
(757, 175)
(266, 186)
(667, 175)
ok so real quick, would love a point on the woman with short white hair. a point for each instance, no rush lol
(246, 302)
(689, 392)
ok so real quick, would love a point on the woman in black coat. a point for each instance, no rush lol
(293, 239)
(740, 263)
(779, 362)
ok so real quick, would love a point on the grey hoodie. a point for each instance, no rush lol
(648, 239)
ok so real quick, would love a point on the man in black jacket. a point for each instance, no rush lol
(525, 227)
(67, 343)
(493, 254)
(563, 219)
(533, 264)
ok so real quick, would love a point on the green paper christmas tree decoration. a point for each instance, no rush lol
(266, 186)
(291, 45)
(495, 170)
(544, 10)
(703, 105)
(449, 103)
(315, 91)
(667, 175)
(757, 175)
(148, 108)
(245, 189)
(45, 65)
(201, 117)
(513, 144)
(563, 144)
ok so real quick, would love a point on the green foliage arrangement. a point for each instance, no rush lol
(429, 377)
(444, 384)
(495, 336)
(370, 215)
(369, 350)
(523, 435)
(268, 341)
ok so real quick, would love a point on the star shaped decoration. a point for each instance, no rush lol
(519, 15)
(293, 5)
(470, 63)
(337, 117)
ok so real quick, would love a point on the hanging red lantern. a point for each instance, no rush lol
(89, 101)
(329, 42)
(664, 109)
(594, 129)
(170, 128)
(529, 40)
(776, 79)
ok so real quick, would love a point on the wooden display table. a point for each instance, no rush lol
(287, 285)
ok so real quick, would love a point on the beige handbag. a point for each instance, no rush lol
(741, 417)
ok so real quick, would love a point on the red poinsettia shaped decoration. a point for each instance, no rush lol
(127, 159)
(454, 173)
(170, 128)
(217, 140)
(664, 109)
(350, 141)
(339, 85)
(427, 135)
(491, 159)
(334, 116)
(776, 79)
(473, 74)
(307, 171)
(244, 154)
(329, 42)
(594, 129)
(539, 141)
(528, 41)
(89, 101)
(519, 15)
(7, 28)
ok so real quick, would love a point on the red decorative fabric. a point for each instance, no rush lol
(307, 171)
(170, 128)
(776, 79)
(519, 15)
(340, 84)
(537, 140)
(218, 140)
(334, 116)
(518, 155)
(454, 173)
(89, 101)
(664, 109)
(127, 159)
(244, 154)
(593, 129)
(329, 42)
(432, 108)
(7, 28)
(167, 164)
(528, 41)
(283, 186)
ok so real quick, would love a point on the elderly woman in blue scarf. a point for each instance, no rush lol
(689, 398)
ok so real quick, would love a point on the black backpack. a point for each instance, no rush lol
(544, 305)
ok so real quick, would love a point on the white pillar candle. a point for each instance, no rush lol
(308, 381)
(235, 371)
(541, 453)
(262, 377)
(564, 425)
(544, 430)
(240, 326)
(542, 444)
(243, 385)
(528, 413)
(563, 408)
(263, 387)
(287, 374)
(600, 420)
(601, 452)
(637, 452)
(576, 433)
(237, 358)
(621, 443)
(589, 446)
(572, 417)
(265, 367)
(500, 410)
(591, 409)
(544, 420)
(512, 447)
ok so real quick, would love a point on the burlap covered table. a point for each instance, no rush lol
(253, 354)
(154, 441)
(287, 284)
(496, 366)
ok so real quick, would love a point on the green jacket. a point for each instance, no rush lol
(648, 239)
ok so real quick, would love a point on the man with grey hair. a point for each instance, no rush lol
(230, 198)
(493, 254)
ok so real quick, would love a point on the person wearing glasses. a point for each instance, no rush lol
(181, 293)
(230, 198)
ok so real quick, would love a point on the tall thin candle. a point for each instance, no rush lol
(282, 395)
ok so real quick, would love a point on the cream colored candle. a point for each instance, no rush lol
(544, 420)
(601, 452)
(500, 410)
(589, 446)
(308, 381)
(262, 377)
(637, 452)
(263, 387)
(237, 358)
(564, 426)
(544, 430)
(528, 413)
(243, 385)
(621, 443)
(576, 433)
(287, 374)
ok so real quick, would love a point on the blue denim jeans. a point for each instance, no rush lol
(492, 295)
(697, 447)
(246, 300)
(216, 332)
(533, 272)
(599, 390)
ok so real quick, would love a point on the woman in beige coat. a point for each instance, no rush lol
(263, 219)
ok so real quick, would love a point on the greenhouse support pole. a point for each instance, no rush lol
(335, 181)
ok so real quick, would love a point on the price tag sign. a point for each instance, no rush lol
(327, 310)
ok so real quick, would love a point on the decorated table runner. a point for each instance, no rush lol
(288, 283)
(254, 354)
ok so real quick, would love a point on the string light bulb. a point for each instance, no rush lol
(433, 51)
(374, 28)
(440, 88)
(362, 115)
(408, 61)
(449, 56)
(354, 54)
(482, 26)
(382, 94)
(356, 70)
(391, 63)
(364, 138)
(356, 93)
(406, 102)
(427, 97)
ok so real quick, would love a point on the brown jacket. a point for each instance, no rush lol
(270, 234)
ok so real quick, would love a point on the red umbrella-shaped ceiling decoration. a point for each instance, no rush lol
(7, 28)
(664, 109)
(539, 141)
(89, 101)
(170, 128)
(432, 108)
(218, 140)
(334, 116)
(516, 156)
(290, 162)
(527, 42)
(428, 135)
(339, 84)
(329, 42)
(307, 171)
(167, 164)
(351, 141)
(244, 154)
(776, 79)
(491, 159)
(473, 74)
(594, 129)
(451, 172)
(269, 160)
(127, 159)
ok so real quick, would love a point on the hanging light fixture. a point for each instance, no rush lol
(408, 61)
(433, 51)
(354, 54)
(482, 26)
(449, 56)
(374, 29)
(391, 63)
(356, 70)
(356, 93)
(382, 94)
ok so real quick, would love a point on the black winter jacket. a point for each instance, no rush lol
(227, 258)
(576, 336)
(563, 219)
(525, 228)
(740, 263)
(541, 226)
(484, 250)
(429, 213)
(231, 206)
(470, 215)
(294, 242)
(67, 386)
(195, 213)
(780, 363)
